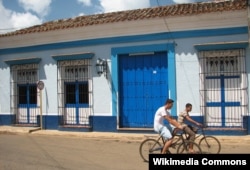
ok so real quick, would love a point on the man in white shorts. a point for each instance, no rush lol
(166, 131)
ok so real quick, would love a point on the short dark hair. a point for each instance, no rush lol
(169, 101)
(188, 104)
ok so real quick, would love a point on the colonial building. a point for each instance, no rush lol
(110, 72)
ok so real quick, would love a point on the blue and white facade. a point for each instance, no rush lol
(200, 58)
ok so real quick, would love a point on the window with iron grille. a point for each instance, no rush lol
(223, 87)
(75, 91)
(24, 93)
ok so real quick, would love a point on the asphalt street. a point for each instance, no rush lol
(32, 148)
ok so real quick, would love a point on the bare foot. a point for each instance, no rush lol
(192, 152)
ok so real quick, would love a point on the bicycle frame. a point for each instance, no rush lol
(158, 140)
(202, 134)
(178, 139)
(197, 135)
(155, 145)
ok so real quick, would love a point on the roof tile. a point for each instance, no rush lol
(137, 14)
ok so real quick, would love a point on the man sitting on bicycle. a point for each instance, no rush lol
(189, 129)
(166, 131)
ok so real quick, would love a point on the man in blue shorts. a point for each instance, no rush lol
(166, 131)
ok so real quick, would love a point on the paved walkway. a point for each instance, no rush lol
(136, 137)
(102, 135)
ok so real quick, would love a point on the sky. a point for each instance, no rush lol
(19, 14)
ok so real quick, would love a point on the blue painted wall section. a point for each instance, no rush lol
(7, 119)
(108, 124)
(246, 123)
(172, 77)
(49, 122)
(104, 123)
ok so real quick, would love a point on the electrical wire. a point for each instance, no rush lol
(166, 24)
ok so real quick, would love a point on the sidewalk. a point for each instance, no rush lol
(135, 137)
(101, 135)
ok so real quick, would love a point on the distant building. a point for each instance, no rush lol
(110, 72)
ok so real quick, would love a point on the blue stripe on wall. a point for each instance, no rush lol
(73, 56)
(129, 39)
(23, 61)
(219, 104)
(222, 46)
(219, 77)
(172, 76)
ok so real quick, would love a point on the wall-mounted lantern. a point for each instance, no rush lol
(101, 67)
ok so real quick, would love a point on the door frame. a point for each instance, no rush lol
(115, 52)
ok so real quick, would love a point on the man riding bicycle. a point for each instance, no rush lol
(189, 129)
(165, 131)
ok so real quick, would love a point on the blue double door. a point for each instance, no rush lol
(143, 87)
(27, 108)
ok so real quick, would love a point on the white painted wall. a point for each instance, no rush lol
(187, 67)
(187, 77)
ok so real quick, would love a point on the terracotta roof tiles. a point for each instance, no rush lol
(137, 14)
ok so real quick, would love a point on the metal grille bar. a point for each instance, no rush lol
(24, 94)
(223, 87)
(75, 92)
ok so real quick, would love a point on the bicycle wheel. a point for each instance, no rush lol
(184, 148)
(149, 146)
(210, 145)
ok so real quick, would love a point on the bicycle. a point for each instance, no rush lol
(208, 143)
(154, 146)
